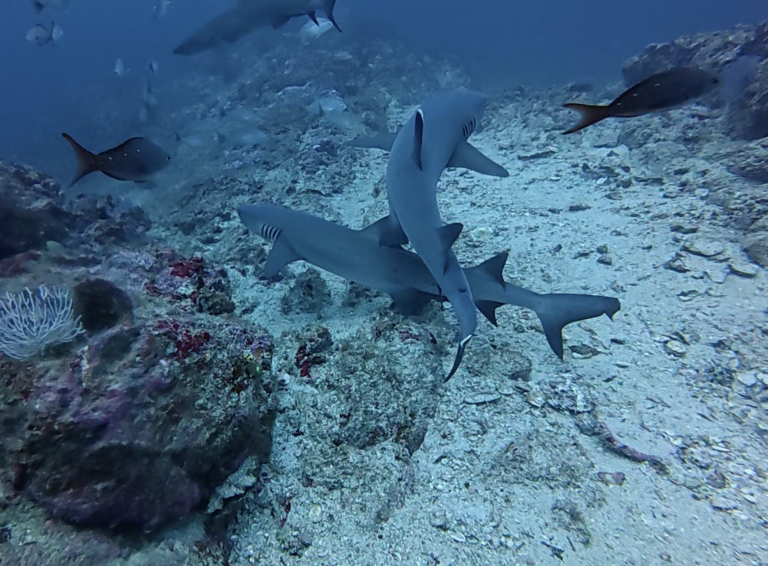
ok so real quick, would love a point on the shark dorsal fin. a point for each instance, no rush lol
(377, 228)
(449, 233)
(495, 267)
(488, 308)
(391, 234)
(418, 136)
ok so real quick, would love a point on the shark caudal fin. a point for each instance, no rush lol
(466, 156)
(87, 162)
(557, 311)
(327, 7)
(459, 356)
(590, 114)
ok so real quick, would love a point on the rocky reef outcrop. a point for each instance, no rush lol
(139, 419)
(747, 112)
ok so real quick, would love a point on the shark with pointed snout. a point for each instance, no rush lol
(434, 138)
(248, 16)
(357, 256)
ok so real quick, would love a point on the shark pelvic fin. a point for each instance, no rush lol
(488, 308)
(495, 267)
(327, 7)
(280, 22)
(410, 301)
(467, 156)
(418, 136)
(313, 17)
(449, 233)
(281, 255)
(459, 356)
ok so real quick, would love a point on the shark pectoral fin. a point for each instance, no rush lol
(467, 156)
(280, 22)
(488, 308)
(459, 356)
(557, 311)
(410, 301)
(495, 268)
(449, 233)
(281, 255)
(391, 234)
(383, 141)
(418, 137)
(313, 17)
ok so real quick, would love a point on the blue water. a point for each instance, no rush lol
(47, 90)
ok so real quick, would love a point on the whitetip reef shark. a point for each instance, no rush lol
(434, 138)
(357, 256)
(248, 16)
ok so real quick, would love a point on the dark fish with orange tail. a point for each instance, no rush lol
(658, 92)
(136, 159)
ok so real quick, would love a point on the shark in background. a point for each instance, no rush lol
(248, 16)
(357, 256)
(434, 138)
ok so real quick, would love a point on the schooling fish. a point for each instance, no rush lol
(658, 92)
(134, 160)
(248, 16)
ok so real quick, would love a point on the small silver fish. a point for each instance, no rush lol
(120, 69)
(153, 66)
(161, 9)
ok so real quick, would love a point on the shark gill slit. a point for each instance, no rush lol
(270, 232)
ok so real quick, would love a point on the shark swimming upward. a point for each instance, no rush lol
(357, 256)
(434, 138)
(248, 16)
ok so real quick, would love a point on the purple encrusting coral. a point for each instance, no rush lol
(134, 424)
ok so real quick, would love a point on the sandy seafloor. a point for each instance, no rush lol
(508, 471)
(384, 464)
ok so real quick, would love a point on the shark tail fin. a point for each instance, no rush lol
(327, 7)
(590, 114)
(459, 356)
(557, 311)
(87, 162)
